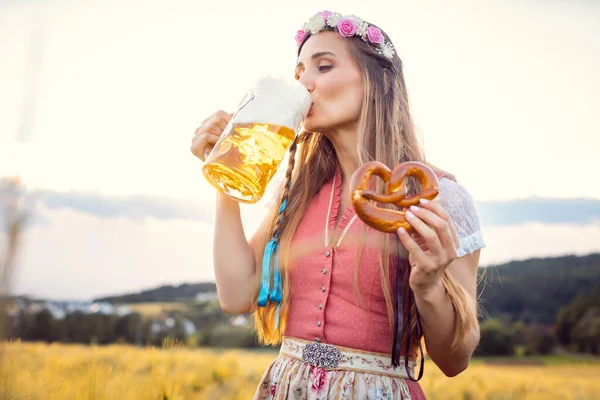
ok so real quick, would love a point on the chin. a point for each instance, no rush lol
(312, 125)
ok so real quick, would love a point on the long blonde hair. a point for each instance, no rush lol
(386, 133)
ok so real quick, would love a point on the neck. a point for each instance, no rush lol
(346, 150)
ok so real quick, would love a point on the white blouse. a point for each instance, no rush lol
(457, 202)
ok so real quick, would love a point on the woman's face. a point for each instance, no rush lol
(326, 68)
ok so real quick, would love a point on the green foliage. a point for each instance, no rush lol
(531, 291)
(578, 323)
(127, 328)
(533, 306)
(534, 290)
(539, 339)
(166, 293)
(231, 336)
(496, 339)
(525, 298)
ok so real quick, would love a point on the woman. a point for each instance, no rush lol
(347, 309)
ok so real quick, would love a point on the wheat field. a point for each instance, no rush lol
(59, 371)
(152, 309)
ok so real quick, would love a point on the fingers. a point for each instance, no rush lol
(419, 240)
(209, 133)
(224, 115)
(446, 226)
(432, 224)
(206, 139)
(215, 125)
(221, 120)
(417, 255)
(202, 144)
(211, 129)
(435, 230)
(427, 233)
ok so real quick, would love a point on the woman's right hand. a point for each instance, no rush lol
(208, 133)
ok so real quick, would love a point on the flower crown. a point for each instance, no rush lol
(347, 26)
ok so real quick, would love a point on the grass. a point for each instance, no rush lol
(60, 371)
(547, 360)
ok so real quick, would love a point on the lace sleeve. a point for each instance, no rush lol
(457, 201)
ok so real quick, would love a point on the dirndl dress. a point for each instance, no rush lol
(337, 345)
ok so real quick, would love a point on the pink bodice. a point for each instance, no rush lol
(324, 302)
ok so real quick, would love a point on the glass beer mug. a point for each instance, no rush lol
(255, 140)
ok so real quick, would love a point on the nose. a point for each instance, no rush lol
(307, 82)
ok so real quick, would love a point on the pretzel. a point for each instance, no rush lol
(386, 220)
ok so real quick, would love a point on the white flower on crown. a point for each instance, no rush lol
(315, 24)
(362, 30)
(333, 19)
(387, 50)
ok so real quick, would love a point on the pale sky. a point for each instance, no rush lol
(121, 86)
(505, 93)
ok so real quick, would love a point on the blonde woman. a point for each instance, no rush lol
(349, 305)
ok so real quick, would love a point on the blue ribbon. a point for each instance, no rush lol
(265, 281)
(277, 290)
(283, 206)
(268, 293)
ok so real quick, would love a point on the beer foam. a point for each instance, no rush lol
(276, 101)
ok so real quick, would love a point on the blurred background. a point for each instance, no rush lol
(107, 219)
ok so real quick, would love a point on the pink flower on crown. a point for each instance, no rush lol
(324, 14)
(374, 35)
(347, 27)
(300, 36)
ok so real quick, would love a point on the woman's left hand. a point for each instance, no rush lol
(437, 248)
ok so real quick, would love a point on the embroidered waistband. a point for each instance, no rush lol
(331, 357)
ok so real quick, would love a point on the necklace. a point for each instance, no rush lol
(339, 242)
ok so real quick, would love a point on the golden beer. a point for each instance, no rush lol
(244, 161)
(248, 153)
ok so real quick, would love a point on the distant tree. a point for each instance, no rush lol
(80, 328)
(578, 323)
(567, 318)
(539, 339)
(21, 324)
(44, 327)
(165, 293)
(586, 333)
(7, 323)
(496, 339)
(534, 290)
(127, 328)
(177, 332)
(226, 335)
(105, 328)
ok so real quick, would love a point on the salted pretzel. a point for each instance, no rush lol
(363, 196)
